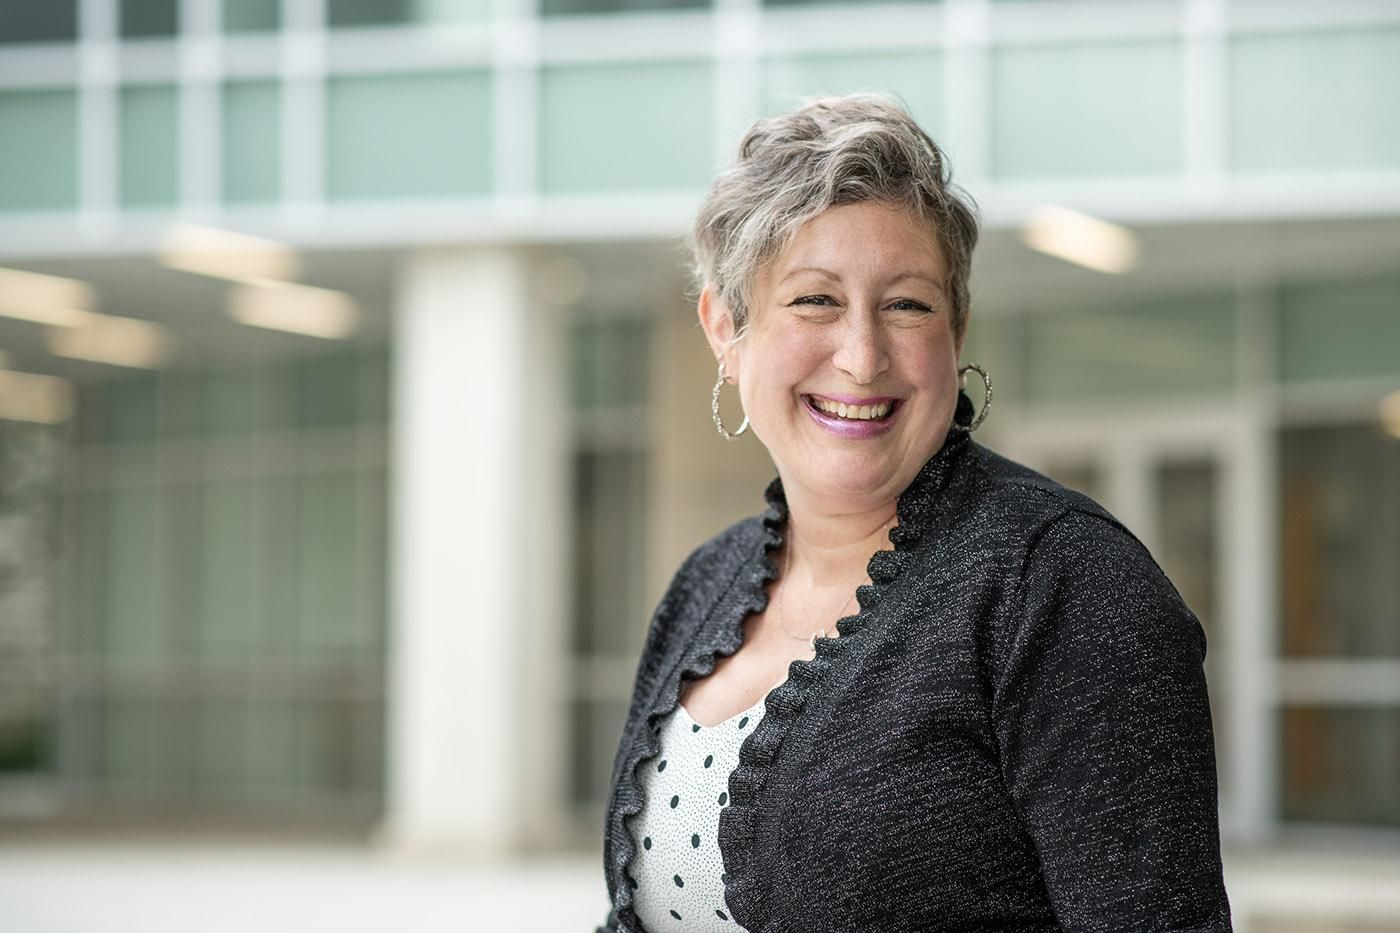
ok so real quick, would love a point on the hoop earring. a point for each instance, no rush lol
(714, 409)
(986, 401)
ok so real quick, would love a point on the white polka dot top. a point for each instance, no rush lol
(678, 871)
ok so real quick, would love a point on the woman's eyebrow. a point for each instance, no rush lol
(899, 276)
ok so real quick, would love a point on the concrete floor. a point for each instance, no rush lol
(103, 885)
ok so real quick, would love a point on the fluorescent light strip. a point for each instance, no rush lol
(35, 397)
(297, 309)
(120, 341)
(1080, 239)
(44, 299)
(225, 254)
(1390, 414)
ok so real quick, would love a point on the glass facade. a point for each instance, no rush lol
(50, 21)
(39, 150)
(252, 16)
(252, 135)
(626, 127)
(149, 19)
(408, 136)
(226, 645)
(1339, 538)
(611, 462)
(150, 146)
(1087, 109)
(1315, 101)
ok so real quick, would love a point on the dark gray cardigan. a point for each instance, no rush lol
(1012, 734)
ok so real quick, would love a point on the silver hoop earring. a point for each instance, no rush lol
(987, 398)
(714, 409)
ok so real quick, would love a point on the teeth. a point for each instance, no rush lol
(852, 412)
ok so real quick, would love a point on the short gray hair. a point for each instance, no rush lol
(830, 151)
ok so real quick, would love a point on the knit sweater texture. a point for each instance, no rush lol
(1013, 733)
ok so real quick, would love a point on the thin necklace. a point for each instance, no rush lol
(782, 624)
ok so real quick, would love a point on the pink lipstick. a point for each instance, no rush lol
(848, 427)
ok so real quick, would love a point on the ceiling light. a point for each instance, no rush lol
(46, 299)
(34, 397)
(1390, 414)
(1083, 240)
(227, 255)
(121, 341)
(298, 309)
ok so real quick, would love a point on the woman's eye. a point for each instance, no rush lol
(908, 304)
(811, 299)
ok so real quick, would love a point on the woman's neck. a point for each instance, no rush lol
(829, 548)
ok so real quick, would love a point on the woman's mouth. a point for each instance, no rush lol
(878, 411)
(852, 420)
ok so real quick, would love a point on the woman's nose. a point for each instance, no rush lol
(862, 354)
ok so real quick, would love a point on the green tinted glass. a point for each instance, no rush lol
(252, 141)
(629, 126)
(39, 150)
(1162, 347)
(422, 135)
(149, 19)
(46, 21)
(914, 76)
(1087, 109)
(1340, 330)
(150, 158)
(252, 15)
(1315, 101)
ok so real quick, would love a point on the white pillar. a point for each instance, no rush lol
(458, 625)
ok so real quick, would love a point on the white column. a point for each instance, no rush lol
(461, 505)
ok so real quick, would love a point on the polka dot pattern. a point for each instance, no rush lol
(678, 866)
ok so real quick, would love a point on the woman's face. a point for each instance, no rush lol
(852, 313)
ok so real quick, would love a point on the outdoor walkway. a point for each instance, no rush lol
(99, 886)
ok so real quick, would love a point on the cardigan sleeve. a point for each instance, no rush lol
(1103, 727)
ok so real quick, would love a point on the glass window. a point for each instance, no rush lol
(393, 12)
(408, 136)
(134, 639)
(252, 15)
(1147, 349)
(1187, 517)
(1340, 537)
(225, 631)
(915, 76)
(571, 7)
(610, 479)
(609, 551)
(1315, 100)
(255, 571)
(39, 21)
(252, 141)
(1087, 109)
(595, 729)
(328, 567)
(148, 19)
(607, 365)
(150, 160)
(39, 150)
(614, 127)
(1341, 765)
(1340, 330)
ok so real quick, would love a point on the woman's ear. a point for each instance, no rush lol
(718, 325)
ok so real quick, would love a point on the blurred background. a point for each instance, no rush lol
(353, 415)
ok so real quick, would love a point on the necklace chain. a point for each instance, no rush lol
(782, 623)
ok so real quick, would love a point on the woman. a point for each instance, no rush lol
(1009, 727)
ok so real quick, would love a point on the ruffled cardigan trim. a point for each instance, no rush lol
(722, 637)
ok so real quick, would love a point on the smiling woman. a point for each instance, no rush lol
(1011, 730)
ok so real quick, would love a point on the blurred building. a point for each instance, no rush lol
(357, 520)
